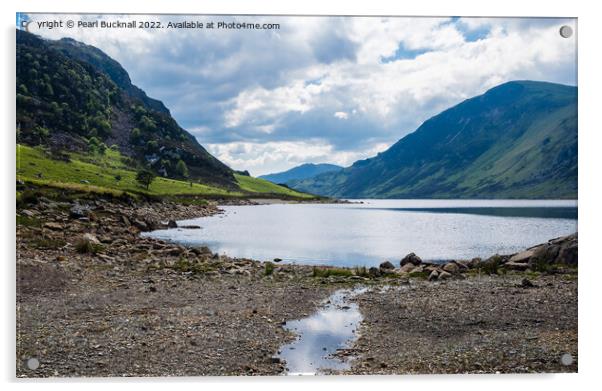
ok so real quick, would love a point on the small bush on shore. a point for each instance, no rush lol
(491, 265)
(86, 247)
(361, 271)
(331, 271)
(269, 268)
(28, 197)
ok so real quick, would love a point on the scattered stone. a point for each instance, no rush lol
(77, 211)
(54, 226)
(526, 283)
(28, 213)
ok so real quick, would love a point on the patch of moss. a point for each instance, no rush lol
(47, 243)
(28, 221)
(422, 275)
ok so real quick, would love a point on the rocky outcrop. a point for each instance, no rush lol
(559, 251)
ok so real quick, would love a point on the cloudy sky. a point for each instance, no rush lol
(323, 89)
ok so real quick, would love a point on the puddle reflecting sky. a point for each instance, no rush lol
(321, 334)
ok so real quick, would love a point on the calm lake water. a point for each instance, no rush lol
(368, 233)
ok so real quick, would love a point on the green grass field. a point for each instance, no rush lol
(109, 174)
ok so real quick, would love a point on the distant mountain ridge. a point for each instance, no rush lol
(72, 96)
(518, 140)
(304, 171)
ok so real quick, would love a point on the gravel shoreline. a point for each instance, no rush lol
(96, 299)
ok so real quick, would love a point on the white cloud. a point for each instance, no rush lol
(264, 100)
(266, 158)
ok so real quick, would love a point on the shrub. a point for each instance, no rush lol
(29, 197)
(361, 271)
(269, 268)
(84, 246)
(491, 265)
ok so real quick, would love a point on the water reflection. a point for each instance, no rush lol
(543, 213)
(321, 334)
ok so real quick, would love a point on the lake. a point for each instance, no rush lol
(375, 230)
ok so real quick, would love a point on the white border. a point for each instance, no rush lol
(589, 182)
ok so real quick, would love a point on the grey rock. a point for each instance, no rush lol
(411, 258)
(451, 267)
(386, 266)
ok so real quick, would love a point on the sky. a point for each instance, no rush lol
(322, 89)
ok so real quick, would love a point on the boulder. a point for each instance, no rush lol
(172, 224)
(386, 265)
(407, 268)
(443, 275)
(568, 254)
(524, 256)
(434, 275)
(451, 267)
(374, 272)
(410, 258)
(418, 269)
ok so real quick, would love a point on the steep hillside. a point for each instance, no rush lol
(304, 171)
(73, 97)
(518, 140)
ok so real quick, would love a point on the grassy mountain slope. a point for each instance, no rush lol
(518, 140)
(71, 96)
(111, 173)
(304, 171)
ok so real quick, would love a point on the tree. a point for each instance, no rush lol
(181, 169)
(145, 177)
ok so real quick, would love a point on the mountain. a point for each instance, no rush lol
(73, 97)
(304, 171)
(518, 140)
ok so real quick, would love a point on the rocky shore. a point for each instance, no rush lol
(94, 298)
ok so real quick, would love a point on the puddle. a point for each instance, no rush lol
(320, 335)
